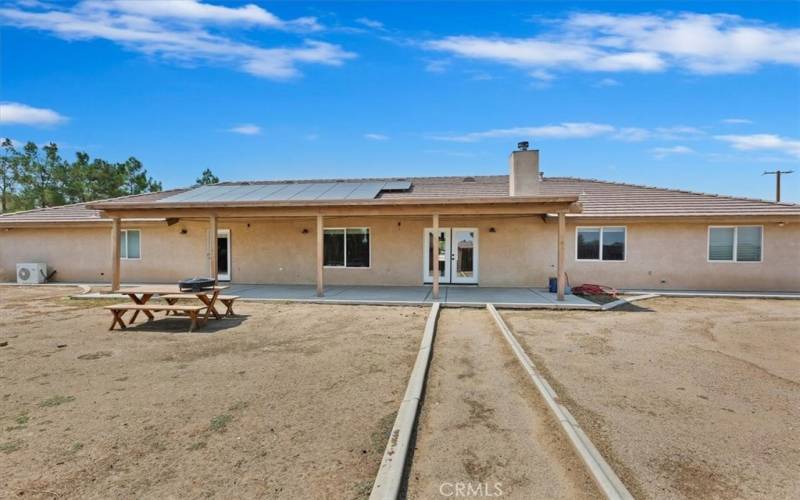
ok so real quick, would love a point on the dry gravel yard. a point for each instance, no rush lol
(686, 398)
(284, 401)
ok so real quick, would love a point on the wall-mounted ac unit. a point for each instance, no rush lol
(31, 274)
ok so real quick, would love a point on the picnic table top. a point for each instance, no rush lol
(167, 289)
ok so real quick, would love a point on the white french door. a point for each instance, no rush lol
(457, 255)
(224, 254)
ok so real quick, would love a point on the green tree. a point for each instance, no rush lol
(9, 175)
(37, 170)
(38, 177)
(136, 179)
(207, 177)
(105, 180)
(72, 179)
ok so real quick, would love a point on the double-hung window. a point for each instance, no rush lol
(735, 243)
(346, 247)
(600, 243)
(130, 244)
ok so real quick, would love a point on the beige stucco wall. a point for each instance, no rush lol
(521, 252)
(674, 256)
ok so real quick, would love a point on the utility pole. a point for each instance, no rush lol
(777, 174)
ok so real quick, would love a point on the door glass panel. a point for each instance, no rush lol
(441, 256)
(222, 254)
(465, 254)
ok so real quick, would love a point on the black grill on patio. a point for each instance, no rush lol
(195, 284)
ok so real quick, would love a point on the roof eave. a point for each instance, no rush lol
(497, 200)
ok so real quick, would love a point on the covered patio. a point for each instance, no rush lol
(320, 215)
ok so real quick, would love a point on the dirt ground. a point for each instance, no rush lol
(484, 426)
(686, 398)
(282, 401)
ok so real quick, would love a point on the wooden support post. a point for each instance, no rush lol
(116, 237)
(212, 229)
(435, 257)
(320, 256)
(562, 229)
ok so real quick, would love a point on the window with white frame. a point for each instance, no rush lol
(346, 247)
(735, 243)
(130, 244)
(600, 243)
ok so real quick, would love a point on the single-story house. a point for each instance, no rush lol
(513, 230)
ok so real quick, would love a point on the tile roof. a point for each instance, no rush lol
(599, 198)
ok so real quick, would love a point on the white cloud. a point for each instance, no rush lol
(194, 10)
(663, 152)
(436, 65)
(769, 142)
(697, 43)
(559, 131)
(177, 31)
(541, 54)
(370, 23)
(376, 137)
(673, 133)
(14, 113)
(542, 75)
(700, 43)
(608, 82)
(582, 130)
(246, 129)
(737, 121)
(632, 134)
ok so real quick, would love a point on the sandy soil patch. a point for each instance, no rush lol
(284, 401)
(687, 398)
(483, 423)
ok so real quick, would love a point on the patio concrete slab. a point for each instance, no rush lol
(417, 294)
(452, 295)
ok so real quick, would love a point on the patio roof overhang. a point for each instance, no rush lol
(410, 206)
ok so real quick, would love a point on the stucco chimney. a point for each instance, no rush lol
(523, 177)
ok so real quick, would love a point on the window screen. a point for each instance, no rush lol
(132, 244)
(333, 247)
(613, 243)
(357, 251)
(720, 243)
(748, 244)
(129, 244)
(589, 244)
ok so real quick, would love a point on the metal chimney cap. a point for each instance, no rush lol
(522, 146)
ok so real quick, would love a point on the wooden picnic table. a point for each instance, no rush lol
(140, 295)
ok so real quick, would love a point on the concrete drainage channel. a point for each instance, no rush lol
(472, 377)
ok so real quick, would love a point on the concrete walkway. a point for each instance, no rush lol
(452, 295)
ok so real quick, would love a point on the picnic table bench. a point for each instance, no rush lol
(119, 310)
(227, 300)
(141, 295)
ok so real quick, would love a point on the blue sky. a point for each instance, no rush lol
(700, 96)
